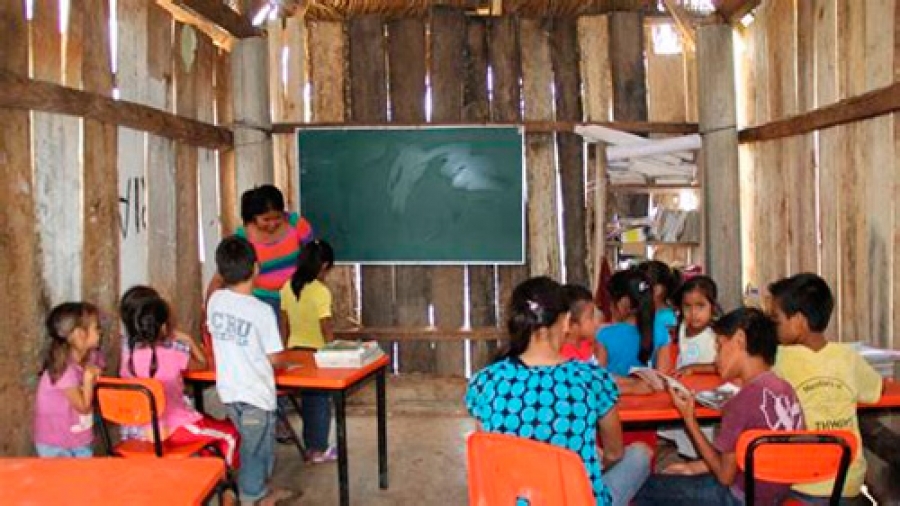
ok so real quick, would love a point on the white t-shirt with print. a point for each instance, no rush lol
(699, 349)
(244, 332)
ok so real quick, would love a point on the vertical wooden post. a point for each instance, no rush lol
(448, 39)
(483, 304)
(717, 125)
(228, 199)
(505, 60)
(207, 175)
(368, 103)
(407, 69)
(252, 116)
(564, 55)
(21, 294)
(101, 196)
(187, 269)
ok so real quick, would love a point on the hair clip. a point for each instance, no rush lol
(533, 306)
(643, 286)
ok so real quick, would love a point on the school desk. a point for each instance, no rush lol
(657, 408)
(109, 480)
(301, 374)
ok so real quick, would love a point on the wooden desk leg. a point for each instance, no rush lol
(340, 415)
(381, 413)
(198, 396)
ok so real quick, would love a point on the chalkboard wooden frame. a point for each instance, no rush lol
(429, 195)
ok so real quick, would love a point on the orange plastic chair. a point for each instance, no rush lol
(504, 469)
(138, 401)
(794, 457)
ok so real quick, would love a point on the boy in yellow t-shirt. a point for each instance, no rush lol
(829, 378)
(306, 302)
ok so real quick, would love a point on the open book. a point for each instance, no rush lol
(714, 399)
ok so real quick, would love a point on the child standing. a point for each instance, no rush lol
(830, 378)
(747, 344)
(307, 303)
(63, 413)
(580, 341)
(245, 336)
(149, 353)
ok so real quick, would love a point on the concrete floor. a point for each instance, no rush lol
(426, 460)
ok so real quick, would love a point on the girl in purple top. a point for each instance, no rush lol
(63, 417)
(746, 345)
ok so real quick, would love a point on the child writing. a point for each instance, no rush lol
(830, 378)
(306, 302)
(580, 342)
(524, 391)
(63, 413)
(747, 344)
(149, 353)
(245, 337)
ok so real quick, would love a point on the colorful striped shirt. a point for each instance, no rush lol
(278, 259)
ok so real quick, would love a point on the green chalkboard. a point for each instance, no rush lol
(415, 195)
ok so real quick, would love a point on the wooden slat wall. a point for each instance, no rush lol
(21, 295)
(836, 188)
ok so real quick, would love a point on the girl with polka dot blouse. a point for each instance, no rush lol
(532, 391)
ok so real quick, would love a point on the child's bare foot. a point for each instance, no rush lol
(276, 495)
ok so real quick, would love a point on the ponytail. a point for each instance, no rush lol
(313, 256)
(147, 329)
(536, 303)
(635, 286)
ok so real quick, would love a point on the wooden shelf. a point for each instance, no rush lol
(656, 243)
(637, 188)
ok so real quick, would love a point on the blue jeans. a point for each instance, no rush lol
(315, 410)
(682, 490)
(257, 428)
(47, 451)
(626, 477)
(813, 500)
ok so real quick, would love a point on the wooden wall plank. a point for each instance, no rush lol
(626, 50)
(448, 49)
(407, 69)
(327, 77)
(804, 217)
(161, 212)
(483, 304)
(276, 36)
(895, 286)
(542, 236)
(187, 270)
(505, 61)
(21, 294)
(593, 50)
(293, 105)
(57, 176)
(252, 114)
(207, 174)
(131, 78)
(228, 201)
(666, 81)
(830, 146)
(570, 148)
(100, 263)
(368, 102)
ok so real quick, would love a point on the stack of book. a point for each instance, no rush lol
(341, 354)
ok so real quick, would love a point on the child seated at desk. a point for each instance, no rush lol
(830, 378)
(747, 344)
(580, 341)
(150, 352)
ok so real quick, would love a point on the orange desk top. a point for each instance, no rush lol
(657, 407)
(100, 481)
(301, 372)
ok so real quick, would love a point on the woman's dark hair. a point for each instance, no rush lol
(634, 285)
(61, 322)
(661, 274)
(536, 303)
(577, 297)
(313, 256)
(147, 328)
(762, 337)
(260, 200)
(706, 287)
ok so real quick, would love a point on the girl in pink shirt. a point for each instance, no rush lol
(63, 404)
(155, 351)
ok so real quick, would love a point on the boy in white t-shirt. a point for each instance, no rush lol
(245, 336)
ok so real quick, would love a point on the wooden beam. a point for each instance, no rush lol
(531, 127)
(734, 10)
(868, 105)
(18, 92)
(683, 24)
(223, 16)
